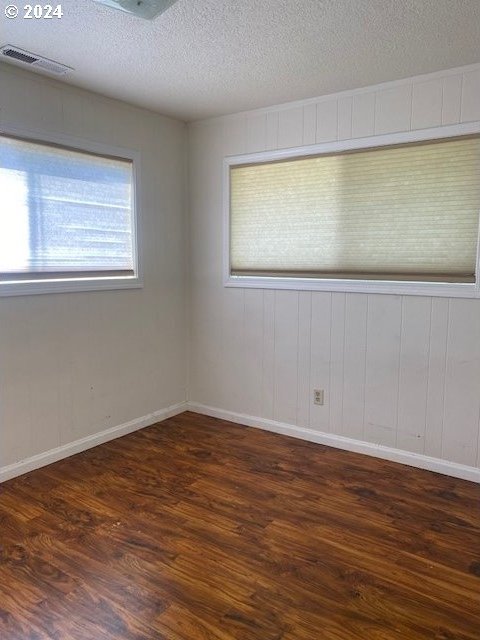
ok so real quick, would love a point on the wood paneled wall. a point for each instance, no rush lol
(399, 371)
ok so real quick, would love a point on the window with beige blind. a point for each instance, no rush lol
(401, 213)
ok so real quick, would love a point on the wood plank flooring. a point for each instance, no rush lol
(199, 529)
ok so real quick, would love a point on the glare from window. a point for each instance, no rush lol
(14, 233)
(64, 212)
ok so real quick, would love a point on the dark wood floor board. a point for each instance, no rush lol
(355, 514)
(200, 529)
(363, 590)
(335, 556)
(364, 539)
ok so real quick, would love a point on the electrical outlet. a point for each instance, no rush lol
(318, 396)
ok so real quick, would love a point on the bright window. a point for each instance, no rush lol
(399, 213)
(66, 216)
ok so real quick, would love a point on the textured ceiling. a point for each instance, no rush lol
(209, 57)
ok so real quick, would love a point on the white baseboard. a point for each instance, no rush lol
(341, 442)
(66, 450)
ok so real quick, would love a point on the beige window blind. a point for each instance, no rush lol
(406, 212)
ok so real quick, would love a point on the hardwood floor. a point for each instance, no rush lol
(198, 529)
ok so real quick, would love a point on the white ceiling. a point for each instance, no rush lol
(208, 57)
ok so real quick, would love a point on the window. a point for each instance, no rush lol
(372, 217)
(67, 218)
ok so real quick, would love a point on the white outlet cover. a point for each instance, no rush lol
(147, 9)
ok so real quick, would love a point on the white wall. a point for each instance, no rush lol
(73, 365)
(402, 372)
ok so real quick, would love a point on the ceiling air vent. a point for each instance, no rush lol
(18, 56)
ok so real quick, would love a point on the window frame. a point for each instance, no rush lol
(95, 283)
(398, 287)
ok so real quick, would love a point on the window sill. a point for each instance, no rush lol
(29, 288)
(437, 289)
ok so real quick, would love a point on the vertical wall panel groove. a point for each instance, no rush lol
(304, 357)
(447, 342)
(452, 99)
(462, 397)
(268, 353)
(309, 124)
(427, 390)
(413, 374)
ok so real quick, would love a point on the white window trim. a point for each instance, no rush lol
(441, 289)
(70, 285)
